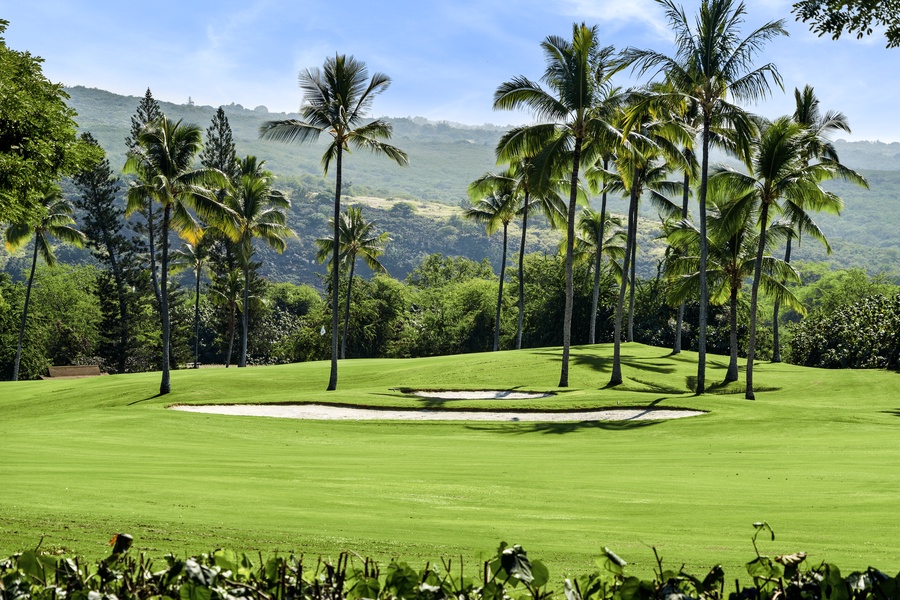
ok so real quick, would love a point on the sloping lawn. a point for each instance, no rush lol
(817, 455)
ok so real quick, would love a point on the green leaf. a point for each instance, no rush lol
(35, 566)
(401, 580)
(763, 566)
(225, 560)
(364, 587)
(631, 589)
(515, 562)
(540, 572)
(192, 591)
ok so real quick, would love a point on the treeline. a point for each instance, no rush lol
(445, 306)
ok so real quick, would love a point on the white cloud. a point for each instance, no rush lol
(618, 13)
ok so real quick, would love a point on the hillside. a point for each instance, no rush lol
(444, 158)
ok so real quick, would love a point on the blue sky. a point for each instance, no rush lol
(445, 57)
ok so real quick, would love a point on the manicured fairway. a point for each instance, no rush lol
(817, 456)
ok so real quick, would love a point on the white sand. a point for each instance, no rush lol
(345, 413)
(479, 395)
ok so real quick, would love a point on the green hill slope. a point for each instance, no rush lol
(444, 158)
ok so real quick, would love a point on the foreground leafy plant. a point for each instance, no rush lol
(509, 575)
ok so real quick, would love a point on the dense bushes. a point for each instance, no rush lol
(861, 335)
(509, 575)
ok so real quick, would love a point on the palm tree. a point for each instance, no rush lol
(592, 244)
(259, 213)
(816, 146)
(336, 100)
(357, 239)
(576, 129)
(732, 259)
(194, 256)
(712, 65)
(496, 209)
(777, 173)
(228, 292)
(57, 222)
(639, 166)
(535, 196)
(163, 165)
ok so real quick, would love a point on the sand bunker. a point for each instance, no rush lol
(347, 413)
(478, 394)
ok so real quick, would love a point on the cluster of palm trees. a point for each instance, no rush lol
(591, 135)
(194, 200)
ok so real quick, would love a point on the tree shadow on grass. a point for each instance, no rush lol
(147, 399)
(895, 412)
(561, 428)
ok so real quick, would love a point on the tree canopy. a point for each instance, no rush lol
(38, 137)
(834, 17)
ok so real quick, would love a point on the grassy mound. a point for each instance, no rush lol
(816, 456)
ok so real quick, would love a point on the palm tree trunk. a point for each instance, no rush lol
(500, 292)
(347, 310)
(754, 292)
(616, 377)
(776, 339)
(595, 297)
(335, 271)
(732, 373)
(15, 376)
(165, 385)
(230, 335)
(151, 238)
(570, 251)
(704, 251)
(679, 321)
(245, 314)
(197, 320)
(632, 280)
(522, 273)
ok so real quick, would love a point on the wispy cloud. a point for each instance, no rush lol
(618, 14)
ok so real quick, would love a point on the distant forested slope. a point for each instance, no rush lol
(444, 158)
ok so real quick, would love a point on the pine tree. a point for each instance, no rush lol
(102, 223)
(219, 151)
(148, 111)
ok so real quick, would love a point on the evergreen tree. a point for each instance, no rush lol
(103, 223)
(148, 111)
(219, 151)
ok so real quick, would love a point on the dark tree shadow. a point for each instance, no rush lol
(154, 397)
(561, 428)
(895, 412)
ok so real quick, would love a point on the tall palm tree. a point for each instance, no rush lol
(640, 166)
(592, 245)
(534, 196)
(712, 66)
(163, 165)
(336, 100)
(817, 145)
(575, 131)
(259, 212)
(228, 293)
(194, 256)
(732, 259)
(496, 209)
(57, 223)
(357, 239)
(777, 173)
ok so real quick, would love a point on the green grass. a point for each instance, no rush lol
(817, 456)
